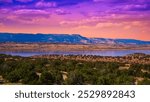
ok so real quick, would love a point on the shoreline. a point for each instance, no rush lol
(45, 47)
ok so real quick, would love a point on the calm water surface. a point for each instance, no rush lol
(97, 53)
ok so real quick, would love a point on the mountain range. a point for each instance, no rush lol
(64, 38)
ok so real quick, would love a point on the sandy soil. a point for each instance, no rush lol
(65, 47)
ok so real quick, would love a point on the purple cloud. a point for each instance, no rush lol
(42, 4)
(137, 7)
(31, 11)
(24, 1)
(112, 1)
(62, 12)
(67, 2)
(6, 1)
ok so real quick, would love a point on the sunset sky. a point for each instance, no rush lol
(90, 18)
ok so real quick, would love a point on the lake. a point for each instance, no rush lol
(97, 53)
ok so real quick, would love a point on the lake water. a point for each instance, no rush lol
(97, 53)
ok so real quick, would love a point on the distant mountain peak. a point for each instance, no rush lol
(64, 38)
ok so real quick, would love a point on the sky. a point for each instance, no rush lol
(89, 18)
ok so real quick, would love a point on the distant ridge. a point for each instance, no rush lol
(64, 38)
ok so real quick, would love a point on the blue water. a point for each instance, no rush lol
(97, 53)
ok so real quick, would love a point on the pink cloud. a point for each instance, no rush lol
(108, 25)
(1, 24)
(23, 20)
